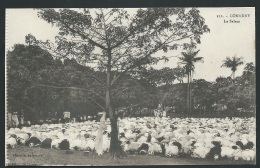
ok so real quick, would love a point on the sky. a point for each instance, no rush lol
(224, 39)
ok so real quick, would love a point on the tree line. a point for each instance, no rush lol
(38, 84)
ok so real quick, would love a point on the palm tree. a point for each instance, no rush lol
(232, 63)
(189, 58)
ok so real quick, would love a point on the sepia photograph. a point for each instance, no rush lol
(130, 86)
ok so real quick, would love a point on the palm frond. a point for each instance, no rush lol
(189, 58)
(232, 63)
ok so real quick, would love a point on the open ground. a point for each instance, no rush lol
(39, 156)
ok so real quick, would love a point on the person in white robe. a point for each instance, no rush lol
(99, 138)
(15, 120)
(164, 113)
(22, 119)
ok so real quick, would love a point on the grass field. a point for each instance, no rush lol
(39, 156)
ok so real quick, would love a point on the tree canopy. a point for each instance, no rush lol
(118, 43)
(232, 63)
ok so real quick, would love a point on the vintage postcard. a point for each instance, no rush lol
(130, 86)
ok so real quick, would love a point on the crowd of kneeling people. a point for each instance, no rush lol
(213, 138)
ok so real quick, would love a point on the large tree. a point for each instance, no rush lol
(117, 42)
(189, 58)
(232, 63)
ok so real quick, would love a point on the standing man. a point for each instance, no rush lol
(99, 138)
(55, 118)
(9, 120)
(56, 115)
(81, 119)
(22, 118)
(66, 116)
(164, 113)
(15, 121)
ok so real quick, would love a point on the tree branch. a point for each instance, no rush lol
(127, 36)
(97, 103)
(93, 76)
(83, 36)
(105, 29)
(142, 59)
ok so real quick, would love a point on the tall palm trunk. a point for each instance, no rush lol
(233, 76)
(188, 91)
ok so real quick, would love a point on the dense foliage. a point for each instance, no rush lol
(237, 95)
(39, 84)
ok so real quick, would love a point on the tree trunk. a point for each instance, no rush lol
(188, 91)
(233, 75)
(115, 150)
